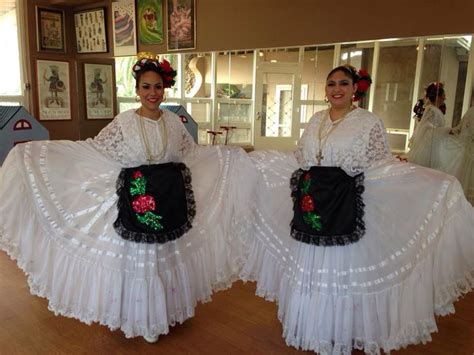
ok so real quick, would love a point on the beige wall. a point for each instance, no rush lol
(248, 24)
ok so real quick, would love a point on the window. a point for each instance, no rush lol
(11, 83)
(22, 124)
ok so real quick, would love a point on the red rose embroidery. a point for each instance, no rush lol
(307, 203)
(143, 203)
(137, 174)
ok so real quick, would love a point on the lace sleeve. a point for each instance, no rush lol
(300, 153)
(433, 118)
(438, 120)
(299, 149)
(110, 141)
(377, 147)
(187, 142)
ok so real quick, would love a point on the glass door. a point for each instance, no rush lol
(277, 106)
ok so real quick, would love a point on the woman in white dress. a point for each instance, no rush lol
(135, 258)
(358, 249)
(424, 140)
(455, 152)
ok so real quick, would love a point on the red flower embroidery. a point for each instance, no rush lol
(137, 174)
(307, 203)
(307, 176)
(143, 203)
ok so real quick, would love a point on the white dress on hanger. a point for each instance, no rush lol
(455, 153)
(58, 207)
(425, 137)
(382, 292)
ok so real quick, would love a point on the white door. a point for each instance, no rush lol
(277, 106)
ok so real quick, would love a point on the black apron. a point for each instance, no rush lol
(328, 206)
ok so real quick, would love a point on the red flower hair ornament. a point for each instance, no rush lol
(149, 61)
(363, 84)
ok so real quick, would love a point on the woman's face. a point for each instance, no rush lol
(150, 89)
(340, 89)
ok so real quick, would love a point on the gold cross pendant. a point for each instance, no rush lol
(319, 157)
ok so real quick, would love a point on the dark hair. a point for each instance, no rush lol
(163, 69)
(434, 90)
(349, 70)
(419, 108)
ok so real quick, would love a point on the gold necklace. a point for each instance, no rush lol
(149, 157)
(322, 140)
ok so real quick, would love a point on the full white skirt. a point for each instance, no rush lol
(56, 214)
(455, 156)
(383, 292)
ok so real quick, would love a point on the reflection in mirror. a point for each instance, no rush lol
(317, 62)
(394, 89)
(443, 138)
(234, 92)
(277, 105)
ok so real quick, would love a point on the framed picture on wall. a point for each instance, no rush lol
(125, 38)
(50, 29)
(98, 84)
(91, 31)
(181, 23)
(53, 90)
(150, 21)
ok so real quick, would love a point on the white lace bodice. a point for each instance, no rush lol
(121, 140)
(432, 116)
(354, 145)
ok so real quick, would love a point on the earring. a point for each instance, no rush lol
(137, 98)
(326, 100)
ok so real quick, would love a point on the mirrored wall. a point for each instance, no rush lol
(274, 92)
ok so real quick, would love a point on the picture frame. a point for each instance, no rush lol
(181, 24)
(98, 86)
(124, 28)
(91, 30)
(50, 29)
(53, 90)
(150, 21)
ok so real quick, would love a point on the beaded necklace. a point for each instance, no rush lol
(149, 157)
(323, 139)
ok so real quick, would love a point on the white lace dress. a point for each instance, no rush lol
(426, 137)
(454, 153)
(57, 213)
(382, 292)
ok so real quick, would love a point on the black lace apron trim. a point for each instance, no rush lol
(328, 206)
(155, 203)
